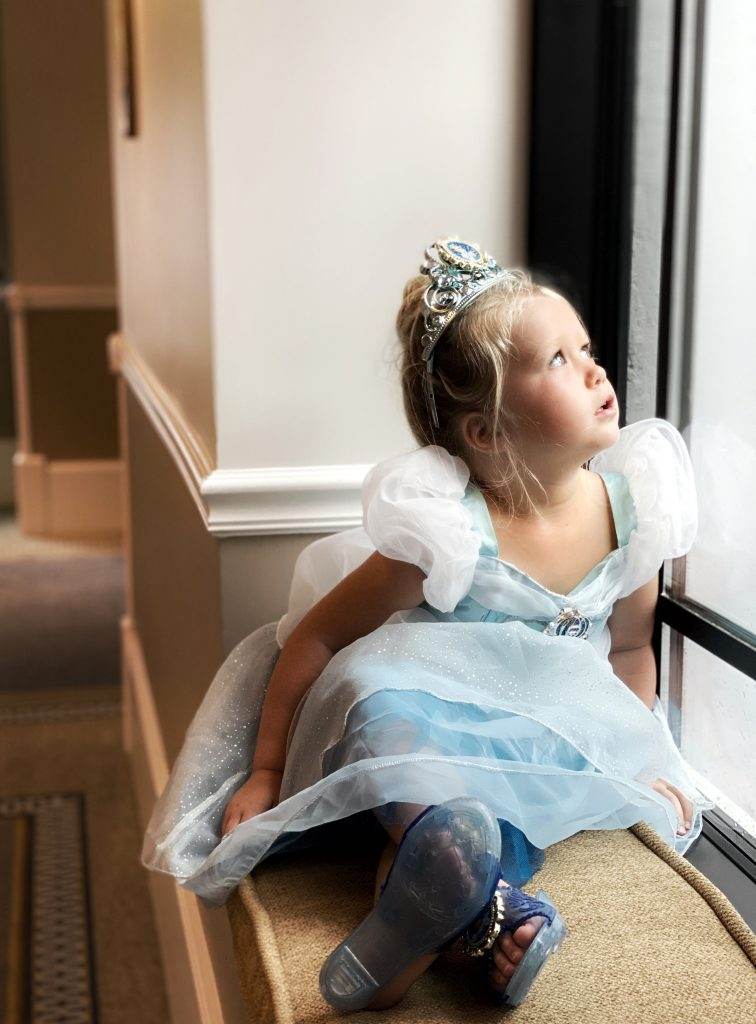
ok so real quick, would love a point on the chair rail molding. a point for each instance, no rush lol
(245, 501)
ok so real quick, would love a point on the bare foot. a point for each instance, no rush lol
(508, 949)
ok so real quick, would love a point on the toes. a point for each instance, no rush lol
(503, 964)
(525, 934)
(509, 947)
(496, 978)
(499, 977)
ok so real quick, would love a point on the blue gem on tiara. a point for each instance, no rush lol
(465, 250)
(458, 271)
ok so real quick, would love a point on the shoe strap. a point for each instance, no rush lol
(506, 910)
(520, 907)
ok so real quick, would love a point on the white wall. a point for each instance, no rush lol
(160, 204)
(345, 137)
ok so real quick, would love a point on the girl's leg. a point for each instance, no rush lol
(387, 859)
(507, 951)
(397, 817)
(395, 823)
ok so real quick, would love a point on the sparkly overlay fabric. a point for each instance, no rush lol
(470, 693)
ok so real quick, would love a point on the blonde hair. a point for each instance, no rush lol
(471, 367)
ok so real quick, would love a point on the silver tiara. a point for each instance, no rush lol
(459, 272)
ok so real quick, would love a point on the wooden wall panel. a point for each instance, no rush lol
(176, 581)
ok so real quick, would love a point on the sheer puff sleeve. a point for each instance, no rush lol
(412, 511)
(654, 458)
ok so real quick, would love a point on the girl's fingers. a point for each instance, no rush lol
(663, 787)
(686, 804)
(230, 821)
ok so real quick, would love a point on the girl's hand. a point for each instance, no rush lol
(258, 794)
(680, 802)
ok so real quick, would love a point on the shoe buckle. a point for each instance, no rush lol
(496, 913)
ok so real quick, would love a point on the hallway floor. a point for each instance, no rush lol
(77, 935)
(61, 604)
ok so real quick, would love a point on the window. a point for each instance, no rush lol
(707, 385)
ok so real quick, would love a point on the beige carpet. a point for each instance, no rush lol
(68, 741)
(15, 544)
(651, 941)
(61, 603)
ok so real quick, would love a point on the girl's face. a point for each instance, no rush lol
(555, 383)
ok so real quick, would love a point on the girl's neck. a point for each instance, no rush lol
(562, 492)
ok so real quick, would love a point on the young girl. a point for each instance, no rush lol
(472, 665)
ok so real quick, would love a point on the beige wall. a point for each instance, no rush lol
(256, 574)
(57, 228)
(55, 142)
(73, 413)
(161, 204)
(176, 581)
(7, 418)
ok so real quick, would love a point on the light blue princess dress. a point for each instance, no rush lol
(494, 687)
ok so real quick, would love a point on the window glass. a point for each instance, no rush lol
(712, 714)
(721, 568)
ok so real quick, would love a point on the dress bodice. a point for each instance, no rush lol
(421, 507)
(470, 609)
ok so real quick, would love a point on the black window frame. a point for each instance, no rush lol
(580, 239)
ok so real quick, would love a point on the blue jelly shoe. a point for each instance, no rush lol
(509, 908)
(445, 870)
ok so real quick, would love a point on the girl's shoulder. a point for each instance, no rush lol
(653, 457)
(413, 510)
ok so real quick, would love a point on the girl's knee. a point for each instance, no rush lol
(396, 817)
(389, 818)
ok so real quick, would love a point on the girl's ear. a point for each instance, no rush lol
(475, 431)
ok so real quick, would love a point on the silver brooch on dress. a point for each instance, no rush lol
(569, 622)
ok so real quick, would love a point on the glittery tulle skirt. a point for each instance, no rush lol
(538, 727)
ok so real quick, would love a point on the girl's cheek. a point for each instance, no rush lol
(554, 411)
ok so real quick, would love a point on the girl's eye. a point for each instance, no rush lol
(588, 345)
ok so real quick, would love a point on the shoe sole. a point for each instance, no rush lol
(547, 940)
(416, 912)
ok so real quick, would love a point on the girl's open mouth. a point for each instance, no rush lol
(607, 407)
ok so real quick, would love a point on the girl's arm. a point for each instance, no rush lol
(631, 627)
(360, 603)
(637, 669)
(356, 606)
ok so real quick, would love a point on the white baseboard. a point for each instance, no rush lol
(187, 964)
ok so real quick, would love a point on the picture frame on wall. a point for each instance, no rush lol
(127, 112)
